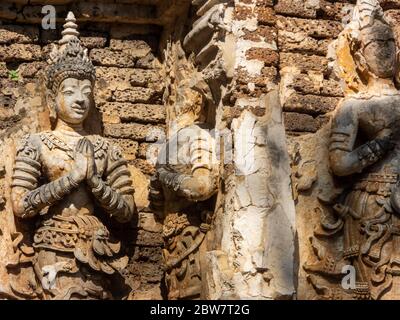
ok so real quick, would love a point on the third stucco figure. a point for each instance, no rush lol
(364, 154)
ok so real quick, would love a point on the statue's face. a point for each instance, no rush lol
(380, 55)
(73, 100)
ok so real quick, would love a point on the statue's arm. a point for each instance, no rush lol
(27, 198)
(344, 158)
(201, 184)
(115, 195)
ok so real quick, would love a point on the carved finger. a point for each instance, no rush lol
(90, 145)
(79, 146)
(91, 149)
(86, 147)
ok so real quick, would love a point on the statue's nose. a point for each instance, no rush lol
(79, 98)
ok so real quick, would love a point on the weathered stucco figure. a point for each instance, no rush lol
(186, 178)
(364, 151)
(65, 180)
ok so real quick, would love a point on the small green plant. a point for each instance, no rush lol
(13, 75)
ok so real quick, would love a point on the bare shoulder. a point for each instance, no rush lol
(29, 146)
(31, 139)
(346, 112)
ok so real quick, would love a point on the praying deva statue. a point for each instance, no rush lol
(64, 178)
(183, 188)
(365, 147)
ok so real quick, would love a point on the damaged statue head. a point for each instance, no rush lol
(71, 184)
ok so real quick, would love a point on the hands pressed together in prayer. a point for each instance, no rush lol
(84, 167)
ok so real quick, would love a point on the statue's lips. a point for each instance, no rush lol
(79, 109)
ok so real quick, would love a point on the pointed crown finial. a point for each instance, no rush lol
(70, 59)
(70, 29)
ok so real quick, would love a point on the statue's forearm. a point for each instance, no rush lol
(345, 163)
(194, 188)
(32, 202)
(118, 205)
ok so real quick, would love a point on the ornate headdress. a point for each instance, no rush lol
(70, 60)
(372, 24)
(367, 24)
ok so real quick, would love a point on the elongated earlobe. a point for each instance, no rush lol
(51, 104)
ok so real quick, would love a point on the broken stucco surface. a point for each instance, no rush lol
(259, 219)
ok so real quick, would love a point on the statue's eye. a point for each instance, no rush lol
(68, 92)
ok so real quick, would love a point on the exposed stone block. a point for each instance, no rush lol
(135, 48)
(297, 42)
(114, 75)
(304, 62)
(310, 104)
(390, 4)
(30, 70)
(393, 17)
(255, 86)
(262, 33)
(93, 41)
(129, 147)
(18, 34)
(265, 15)
(143, 113)
(313, 28)
(135, 131)
(110, 79)
(144, 78)
(307, 85)
(107, 57)
(136, 112)
(300, 122)
(144, 166)
(268, 76)
(297, 8)
(138, 95)
(148, 62)
(334, 10)
(268, 56)
(243, 12)
(20, 52)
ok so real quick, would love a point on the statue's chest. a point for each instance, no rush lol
(57, 157)
(56, 163)
(379, 114)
